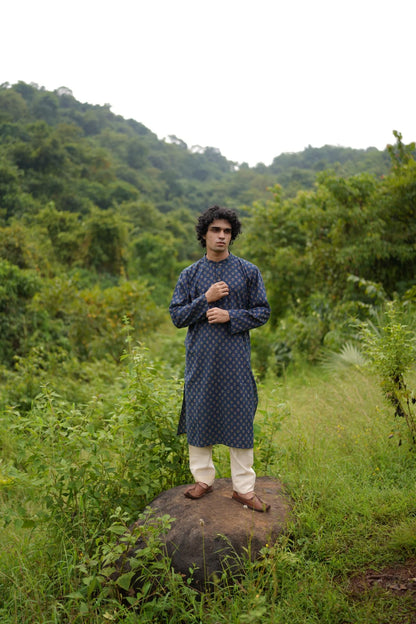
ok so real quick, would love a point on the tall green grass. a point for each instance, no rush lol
(69, 486)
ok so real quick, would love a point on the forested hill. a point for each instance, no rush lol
(57, 148)
(97, 218)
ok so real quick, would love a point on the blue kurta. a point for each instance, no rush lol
(220, 394)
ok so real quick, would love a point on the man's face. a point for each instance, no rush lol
(218, 237)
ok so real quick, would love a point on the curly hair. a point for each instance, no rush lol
(216, 212)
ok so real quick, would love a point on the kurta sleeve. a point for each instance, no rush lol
(183, 309)
(258, 309)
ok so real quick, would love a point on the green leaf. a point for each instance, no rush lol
(124, 580)
(118, 529)
(75, 595)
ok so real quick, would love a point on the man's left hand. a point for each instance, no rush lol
(217, 315)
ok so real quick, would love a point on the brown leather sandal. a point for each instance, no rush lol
(253, 502)
(198, 490)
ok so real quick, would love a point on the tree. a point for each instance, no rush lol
(17, 288)
(136, 154)
(274, 240)
(104, 240)
(45, 107)
(9, 188)
(12, 106)
(396, 266)
(17, 248)
(64, 231)
(155, 257)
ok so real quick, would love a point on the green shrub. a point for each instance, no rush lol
(391, 348)
(79, 462)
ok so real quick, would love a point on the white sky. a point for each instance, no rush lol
(253, 78)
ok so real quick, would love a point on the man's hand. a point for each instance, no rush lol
(217, 315)
(217, 291)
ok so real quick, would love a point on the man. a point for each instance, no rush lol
(220, 298)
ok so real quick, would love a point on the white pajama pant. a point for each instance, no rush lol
(241, 461)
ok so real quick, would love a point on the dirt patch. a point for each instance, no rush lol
(398, 579)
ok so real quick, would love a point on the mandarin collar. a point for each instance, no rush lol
(219, 261)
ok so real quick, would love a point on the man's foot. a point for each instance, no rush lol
(251, 500)
(198, 490)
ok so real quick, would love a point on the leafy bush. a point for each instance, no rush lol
(391, 348)
(80, 463)
(90, 322)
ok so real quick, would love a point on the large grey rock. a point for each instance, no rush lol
(210, 534)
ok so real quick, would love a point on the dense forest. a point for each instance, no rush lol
(97, 218)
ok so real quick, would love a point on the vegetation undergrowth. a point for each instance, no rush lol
(74, 477)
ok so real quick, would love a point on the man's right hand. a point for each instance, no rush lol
(217, 291)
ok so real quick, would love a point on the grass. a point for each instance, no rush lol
(352, 485)
(334, 443)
